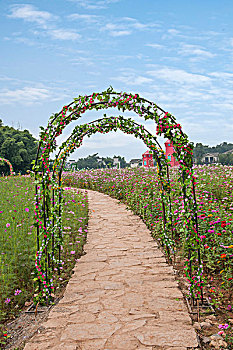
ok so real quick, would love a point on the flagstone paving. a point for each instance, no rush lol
(122, 295)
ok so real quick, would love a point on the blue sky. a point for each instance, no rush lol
(177, 53)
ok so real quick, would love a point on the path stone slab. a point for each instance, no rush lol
(167, 335)
(122, 295)
(87, 331)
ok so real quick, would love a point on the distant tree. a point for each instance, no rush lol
(19, 147)
(226, 159)
(106, 162)
(95, 162)
(90, 162)
(199, 151)
(222, 147)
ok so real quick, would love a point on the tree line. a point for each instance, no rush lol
(95, 162)
(226, 159)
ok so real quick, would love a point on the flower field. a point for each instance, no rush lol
(18, 241)
(140, 190)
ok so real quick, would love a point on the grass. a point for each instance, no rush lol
(18, 242)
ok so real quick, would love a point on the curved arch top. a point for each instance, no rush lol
(166, 123)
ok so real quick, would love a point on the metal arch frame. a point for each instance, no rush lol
(109, 99)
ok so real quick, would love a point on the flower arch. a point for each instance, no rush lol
(49, 187)
(8, 163)
(128, 126)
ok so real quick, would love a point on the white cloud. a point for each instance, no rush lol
(133, 79)
(26, 95)
(31, 14)
(29, 92)
(173, 32)
(100, 141)
(223, 106)
(44, 20)
(82, 60)
(25, 41)
(222, 75)
(116, 30)
(195, 50)
(116, 33)
(64, 34)
(134, 23)
(6, 78)
(94, 4)
(111, 26)
(125, 26)
(156, 46)
(179, 76)
(84, 17)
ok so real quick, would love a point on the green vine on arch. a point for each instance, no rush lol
(49, 189)
(8, 163)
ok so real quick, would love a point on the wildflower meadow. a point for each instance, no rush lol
(18, 242)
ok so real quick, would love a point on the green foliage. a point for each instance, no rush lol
(226, 159)
(95, 162)
(222, 147)
(19, 147)
(90, 162)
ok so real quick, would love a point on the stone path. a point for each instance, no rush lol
(122, 296)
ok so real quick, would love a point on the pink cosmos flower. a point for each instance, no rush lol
(8, 225)
(17, 291)
(223, 326)
(72, 252)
